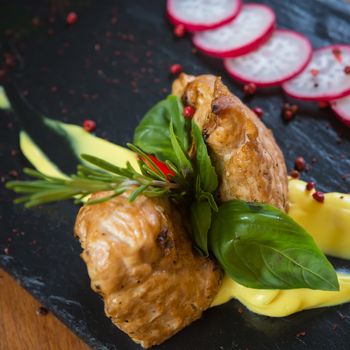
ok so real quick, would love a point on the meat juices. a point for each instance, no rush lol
(141, 261)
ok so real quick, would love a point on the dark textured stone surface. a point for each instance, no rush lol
(117, 71)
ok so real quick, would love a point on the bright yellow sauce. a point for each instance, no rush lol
(81, 142)
(329, 223)
(4, 102)
(280, 303)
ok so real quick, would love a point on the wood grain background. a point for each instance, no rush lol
(21, 328)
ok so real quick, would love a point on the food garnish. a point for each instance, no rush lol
(310, 186)
(89, 125)
(281, 58)
(202, 14)
(251, 28)
(330, 83)
(342, 109)
(255, 52)
(166, 134)
(318, 196)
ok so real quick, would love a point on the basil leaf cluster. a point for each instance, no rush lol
(258, 245)
(261, 247)
(152, 135)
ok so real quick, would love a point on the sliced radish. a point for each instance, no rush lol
(342, 109)
(281, 58)
(325, 77)
(251, 28)
(198, 15)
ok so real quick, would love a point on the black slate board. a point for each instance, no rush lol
(111, 66)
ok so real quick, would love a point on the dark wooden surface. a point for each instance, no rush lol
(22, 328)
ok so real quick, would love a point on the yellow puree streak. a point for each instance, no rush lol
(329, 223)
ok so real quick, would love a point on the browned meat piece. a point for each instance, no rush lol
(141, 261)
(249, 162)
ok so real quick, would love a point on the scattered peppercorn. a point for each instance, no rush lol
(323, 104)
(337, 54)
(175, 68)
(13, 173)
(318, 196)
(2, 73)
(294, 174)
(71, 18)
(289, 111)
(347, 70)
(249, 89)
(310, 186)
(9, 60)
(299, 163)
(288, 115)
(89, 125)
(188, 111)
(35, 22)
(258, 111)
(42, 311)
(179, 30)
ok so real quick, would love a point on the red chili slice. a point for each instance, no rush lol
(162, 166)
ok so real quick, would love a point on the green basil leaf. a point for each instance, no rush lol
(208, 177)
(182, 161)
(201, 221)
(210, 198)
(261, 247)
(152, 134)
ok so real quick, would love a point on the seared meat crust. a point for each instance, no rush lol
(246, 156)
(141, 262)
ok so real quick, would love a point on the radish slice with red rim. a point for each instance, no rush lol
(325, 77)
(251, 28)
(342, 109)
(281, 58)
(198, 15)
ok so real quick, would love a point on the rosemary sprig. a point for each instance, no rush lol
(102, 176)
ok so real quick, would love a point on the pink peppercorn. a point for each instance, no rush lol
(310, 186)
(188, 111)
(249, 89)
(89, 125)
(318, 196)
(258, 111)
(179, 30)
(175, 68)
(300, 163)
(71, 18)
